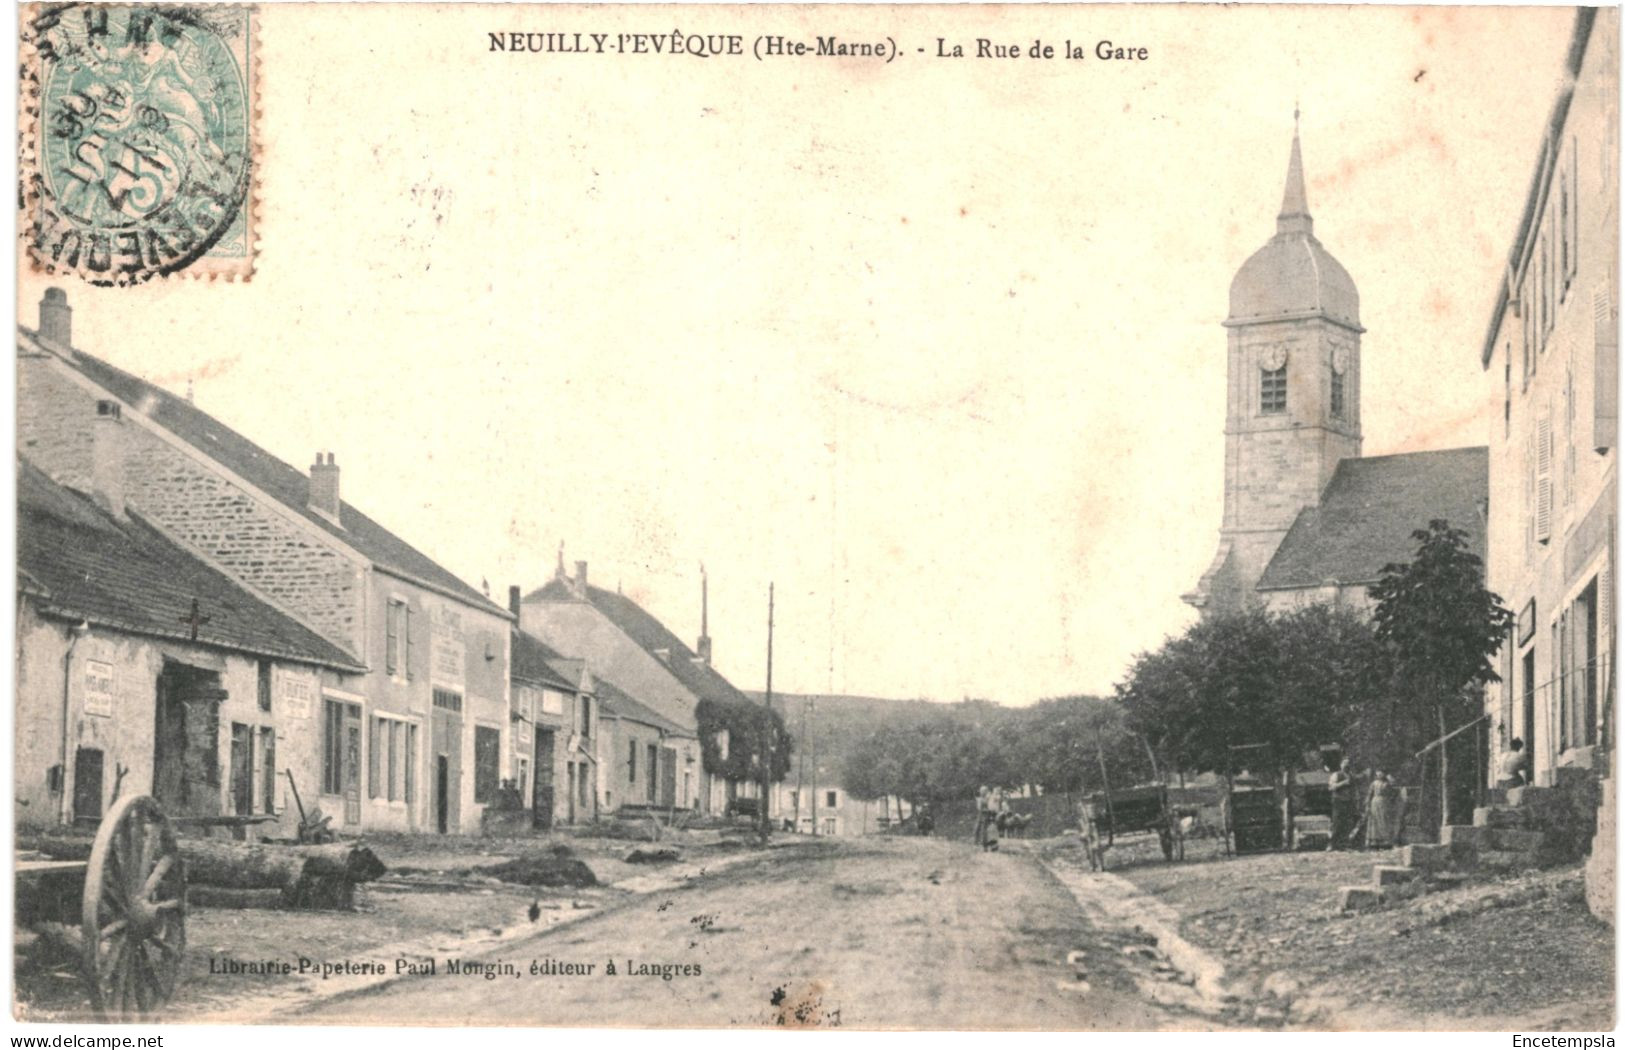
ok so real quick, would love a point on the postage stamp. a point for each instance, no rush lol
(137, 131)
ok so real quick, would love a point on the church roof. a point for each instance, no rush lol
(1293, 275)
(1370, 509)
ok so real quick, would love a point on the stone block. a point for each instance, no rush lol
(1528, 795)
(1504, 860)
(1360, 898)
(1520, 840)
(1425, 857)
(1460, 837)
(1498, 817)
(1392, 875)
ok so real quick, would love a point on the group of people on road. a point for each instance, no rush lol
(990, 805)
(1372, 818)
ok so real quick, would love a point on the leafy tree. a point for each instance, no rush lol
(1441, 623)
(732, 738)
(1442, 627)
(1283, 683)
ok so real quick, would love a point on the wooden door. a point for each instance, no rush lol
(668, 776)
(242, 770)
(542, 791)
(352, 763)
(442, 794)
(87, 785)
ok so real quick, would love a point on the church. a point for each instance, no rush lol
(1306, 518)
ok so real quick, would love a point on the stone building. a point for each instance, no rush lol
(1550, 356)
(419, 740)
(556, 716)
(143, 670)
(1306, 519)
(649, 683)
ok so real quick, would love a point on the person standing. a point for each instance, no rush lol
(995, 806)
(1379, 827)
(1344, 805)
(1514, 767)
(983, 812)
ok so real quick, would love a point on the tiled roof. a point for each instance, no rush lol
(289, 486)
(532, 660)
(81, 563)
(616, 704)
(651, 635)
(1370, 509)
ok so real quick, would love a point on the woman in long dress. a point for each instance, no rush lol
(1379, 825)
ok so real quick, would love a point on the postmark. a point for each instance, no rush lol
(138, 141)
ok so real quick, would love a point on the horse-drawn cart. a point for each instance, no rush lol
(1144, 809)
(130, 924)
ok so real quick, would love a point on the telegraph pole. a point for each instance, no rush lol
(767, 723)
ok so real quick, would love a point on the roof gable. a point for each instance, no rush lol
(284, 483)
(532, 660)
(1369, 511)
(125, 574)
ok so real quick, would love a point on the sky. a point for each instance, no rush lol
(933, 346)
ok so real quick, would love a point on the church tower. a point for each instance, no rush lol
(1293, 394)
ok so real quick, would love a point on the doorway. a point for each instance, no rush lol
(1529, 746)
(87, 785)
(185, 754)
(442, 793)
(542, 792)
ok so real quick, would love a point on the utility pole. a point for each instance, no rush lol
(814, 756)
(801, 759)
(767, 723)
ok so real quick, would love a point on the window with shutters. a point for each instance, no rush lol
(264, 683)
(1543, 480)
(487, 762)
(1272, 391)
(398, 638)
(1506, 404)
(1571, 214)
(332, 747)
(1605, 366)
(268, 771)
(1337, 395)
(632, 762)
(376, 749)
(1526, 313)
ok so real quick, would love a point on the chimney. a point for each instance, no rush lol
(703, 647)
(56, 318)
(324, 486)
(513, 598)
(581, 580)
(107, 457)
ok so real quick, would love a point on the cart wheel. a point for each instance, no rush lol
(134, 912)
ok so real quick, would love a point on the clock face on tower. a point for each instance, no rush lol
(1340, 358)
(1273, 358)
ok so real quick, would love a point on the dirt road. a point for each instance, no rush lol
(860, 933)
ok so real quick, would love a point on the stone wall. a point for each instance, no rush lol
(288, 562)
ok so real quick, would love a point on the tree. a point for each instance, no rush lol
(1442, 627)
(732, 735)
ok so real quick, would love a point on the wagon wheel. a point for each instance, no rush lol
(134, 912)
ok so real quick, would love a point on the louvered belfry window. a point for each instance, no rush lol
(1272, 390)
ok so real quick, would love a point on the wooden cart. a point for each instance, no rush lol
(1143, 809)
(132, 917)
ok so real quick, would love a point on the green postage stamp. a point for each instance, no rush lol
(138, 140)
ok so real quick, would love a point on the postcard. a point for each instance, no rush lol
(968, 517)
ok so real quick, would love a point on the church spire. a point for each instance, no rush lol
(1294, 217)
